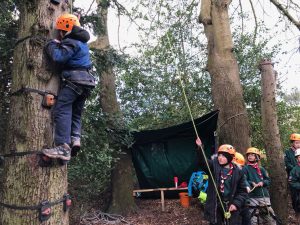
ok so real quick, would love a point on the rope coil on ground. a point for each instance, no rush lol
(103, 218)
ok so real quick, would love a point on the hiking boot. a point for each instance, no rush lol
(62, 152)
(75, 145)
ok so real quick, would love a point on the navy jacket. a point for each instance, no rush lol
(72, 56)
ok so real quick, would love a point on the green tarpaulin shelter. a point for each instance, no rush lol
(160, 155)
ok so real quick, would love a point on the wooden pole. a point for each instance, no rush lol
(272, 143)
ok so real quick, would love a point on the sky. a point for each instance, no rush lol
(288, 66)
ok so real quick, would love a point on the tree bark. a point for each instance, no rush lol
(222, 66)
(25, 183)
(272, 142)
(121, 178)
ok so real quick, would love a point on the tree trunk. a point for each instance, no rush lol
(222, 66)
(272, 142)
(25, 183)
(121, 178)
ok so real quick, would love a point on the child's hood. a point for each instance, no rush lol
(79, 34)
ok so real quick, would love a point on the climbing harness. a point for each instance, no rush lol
(44, 208)
(78, 90)
(262, 208)
(48, 98)
(226, 214)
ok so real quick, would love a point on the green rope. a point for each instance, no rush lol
(226, 214)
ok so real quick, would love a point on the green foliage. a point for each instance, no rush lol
(289, 116)
(8, 35)
(90, 170)
(250, 49)
(148, 85)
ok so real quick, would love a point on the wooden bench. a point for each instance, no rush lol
(162, 195)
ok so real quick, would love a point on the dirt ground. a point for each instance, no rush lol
(150, 213)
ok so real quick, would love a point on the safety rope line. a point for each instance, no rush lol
(34, 207)
(230, 118)
(33, 90)
(226, 214)
(20, 154)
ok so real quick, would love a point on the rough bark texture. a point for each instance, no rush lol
(122, 201)
(222, 66)
(30, 127)
(272, 142)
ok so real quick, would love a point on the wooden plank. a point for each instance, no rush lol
(159, 189)
(162, 195)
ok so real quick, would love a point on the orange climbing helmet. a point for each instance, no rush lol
(295, 137)
(66, 22)
(253, 151)
(239, 159)
(227, 148)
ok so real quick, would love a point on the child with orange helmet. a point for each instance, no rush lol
(259, 180)
(294, 181)
(240, 161)
(70, 53)
(289, 155)
(230, 181)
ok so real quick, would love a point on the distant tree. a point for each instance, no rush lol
(8, 34)
(272, 142)
(121, 177)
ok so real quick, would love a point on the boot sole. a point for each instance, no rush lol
(66, 158)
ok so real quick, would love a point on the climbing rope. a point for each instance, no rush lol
(103, 218)
(226, 214)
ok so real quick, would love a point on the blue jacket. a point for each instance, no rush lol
(72, 56)
(197, 182)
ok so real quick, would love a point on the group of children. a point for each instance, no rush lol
(292, 165)
(240, 189)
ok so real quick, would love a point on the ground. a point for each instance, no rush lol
(150, 213)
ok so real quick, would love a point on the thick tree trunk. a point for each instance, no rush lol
(30, 127)
(121, 178)
(272, 142)
(222, 65)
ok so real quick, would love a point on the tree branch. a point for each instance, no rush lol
(285, 12)
(255, 19)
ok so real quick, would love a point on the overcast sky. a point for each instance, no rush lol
(288, 66)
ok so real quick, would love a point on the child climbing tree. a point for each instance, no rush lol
(26, 185)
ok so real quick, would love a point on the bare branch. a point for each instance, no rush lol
(285, 12)
(89, 7)
(255, 19)
(241, 7)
